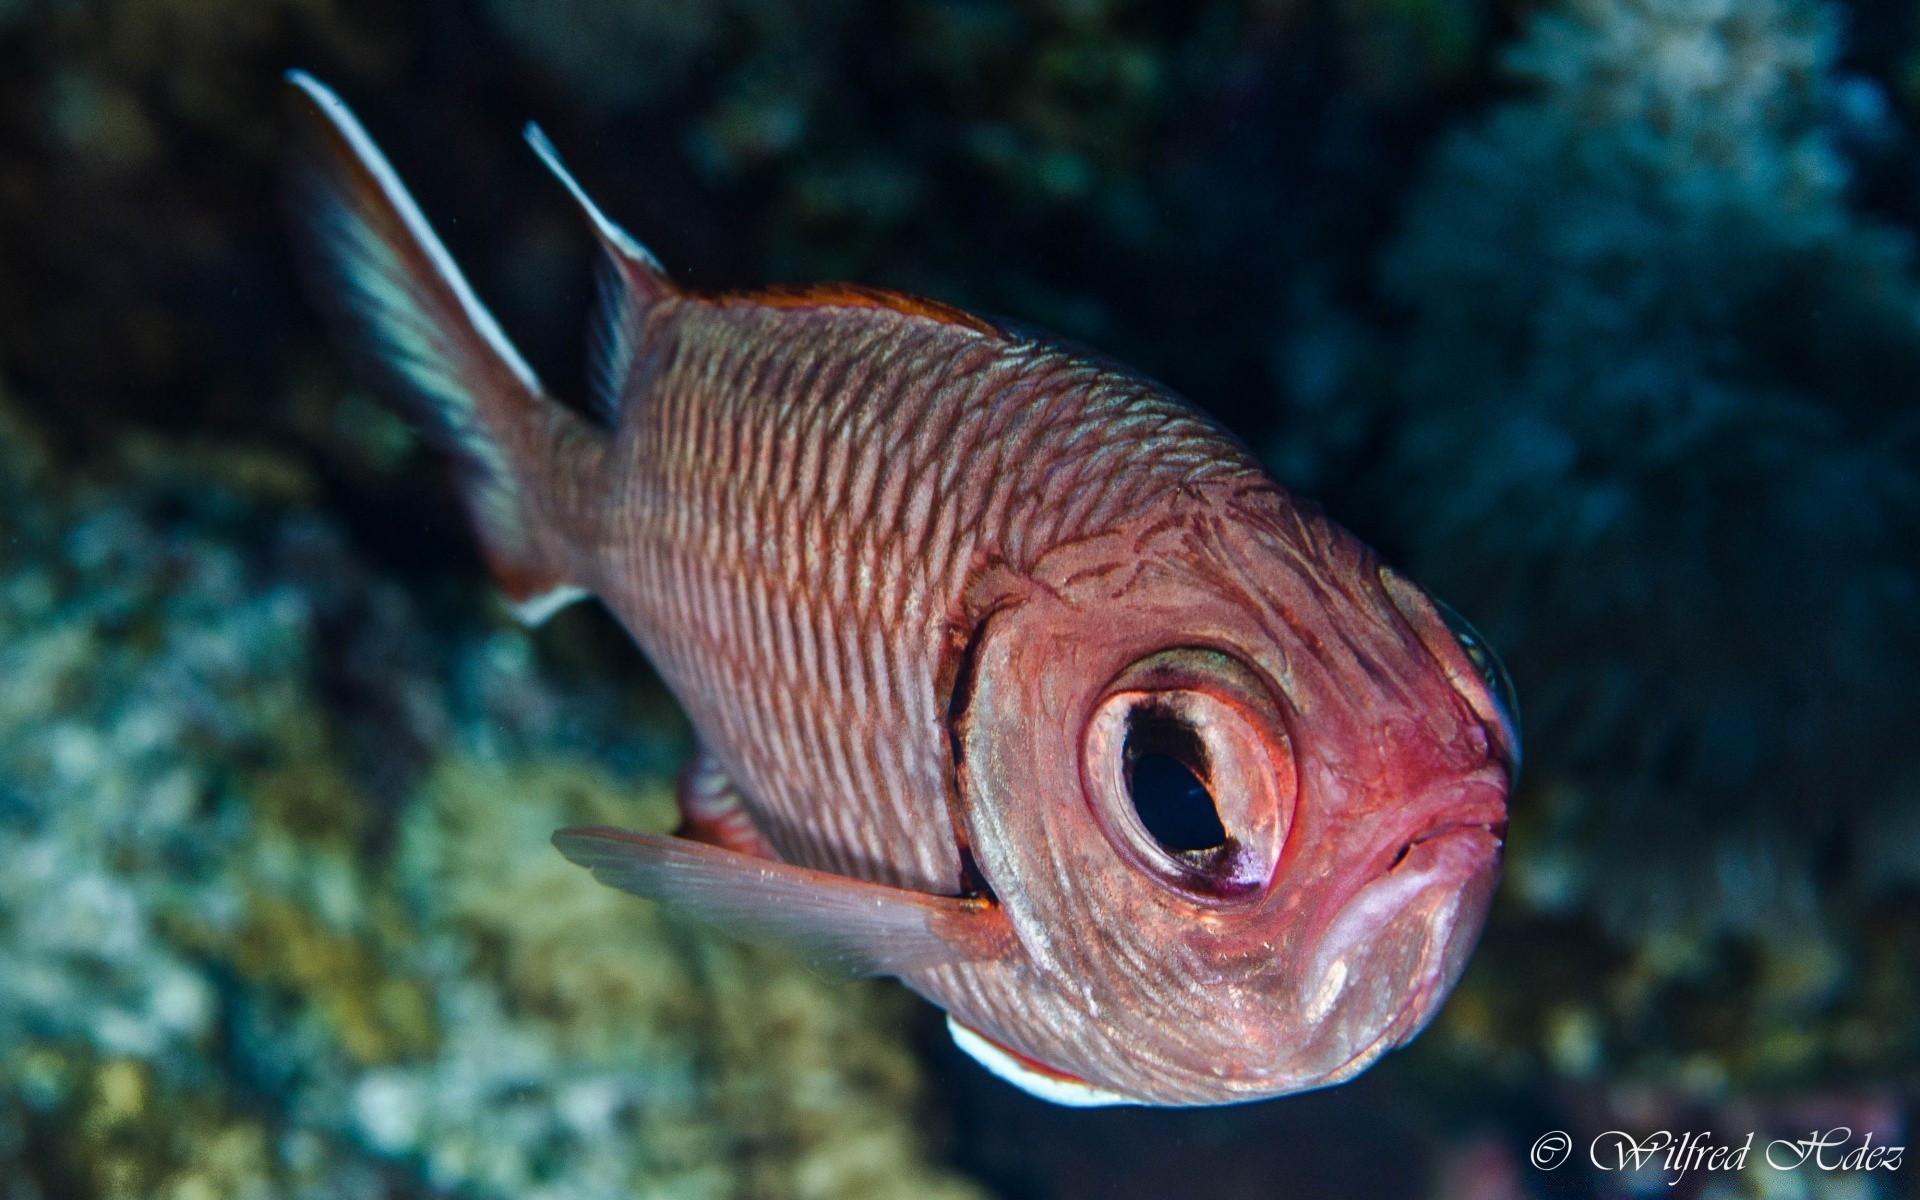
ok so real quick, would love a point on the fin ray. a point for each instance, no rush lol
(407, 313)
(628, 280)
(833, 921)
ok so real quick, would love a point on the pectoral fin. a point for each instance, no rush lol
(830, 920)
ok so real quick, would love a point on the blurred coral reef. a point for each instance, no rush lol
(1600, 316)
(238, 965)
(1654, 427)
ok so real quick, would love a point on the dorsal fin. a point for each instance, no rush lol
(630, 279)
(858, 295)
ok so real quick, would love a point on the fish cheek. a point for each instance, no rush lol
(1040, 667)
(1201, 980)
(1016, 725)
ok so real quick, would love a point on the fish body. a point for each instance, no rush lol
(940, 598)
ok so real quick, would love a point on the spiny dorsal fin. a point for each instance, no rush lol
(630, 279)
(831, 920)
(859, 295)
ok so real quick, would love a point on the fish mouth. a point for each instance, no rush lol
(1395, 949)
(1495, 829)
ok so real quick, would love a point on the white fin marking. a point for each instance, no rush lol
(1072, 1093)
(535, 610)
(616, 238)
(629, 278)
(349, 127)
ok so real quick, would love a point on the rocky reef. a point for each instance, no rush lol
(266, 936)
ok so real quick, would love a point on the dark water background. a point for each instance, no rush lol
(1603, 318)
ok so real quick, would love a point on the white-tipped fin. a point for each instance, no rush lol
(383, 284)
(615, 238)
(534, 610)
(401, 306)
(630, 280)
(1052, 1087)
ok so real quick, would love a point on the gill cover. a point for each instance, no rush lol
(1070, 674)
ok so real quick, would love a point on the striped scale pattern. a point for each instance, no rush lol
(804, 493)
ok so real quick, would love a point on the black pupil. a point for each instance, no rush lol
(1166, 766)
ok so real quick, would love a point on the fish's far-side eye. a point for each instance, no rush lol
(1013, 674)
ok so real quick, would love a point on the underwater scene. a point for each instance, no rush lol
(1074, 508)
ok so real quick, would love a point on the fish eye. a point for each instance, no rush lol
(1494, 701)
(1190, 774)
(1492, 671)
(1166, 769)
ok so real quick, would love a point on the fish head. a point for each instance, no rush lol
(1341, 745)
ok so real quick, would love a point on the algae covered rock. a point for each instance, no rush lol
(597, 1030)
(248, 955)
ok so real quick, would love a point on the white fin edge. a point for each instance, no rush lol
(349, 127)
(535, 610)
(1069, 1093)
(615, 237)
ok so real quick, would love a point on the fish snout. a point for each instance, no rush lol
(1394, 951)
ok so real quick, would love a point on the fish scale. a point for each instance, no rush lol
(737, 381)
(920, 581)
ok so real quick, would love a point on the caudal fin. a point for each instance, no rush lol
(403, 309)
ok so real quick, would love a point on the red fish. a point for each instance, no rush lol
(1013, 674)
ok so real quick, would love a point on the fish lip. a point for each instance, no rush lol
(1339, 941)
(1462, 868)
(1497, 830)
(1387, 1039)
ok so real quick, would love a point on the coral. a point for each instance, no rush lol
(1653, 432)
(643, 1054)
(219, 984)
(147, 677)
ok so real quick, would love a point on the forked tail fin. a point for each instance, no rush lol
(403, 309)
